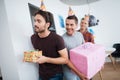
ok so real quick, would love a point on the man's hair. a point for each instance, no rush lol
(83, 19)
(50, 15)
(74, 18)
(46, 15)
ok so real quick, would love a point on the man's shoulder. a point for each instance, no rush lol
(55, 35)
(34, 36)
(89, 33)
(78, 33)
(64, 35)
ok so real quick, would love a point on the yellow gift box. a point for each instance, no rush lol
(32, 56)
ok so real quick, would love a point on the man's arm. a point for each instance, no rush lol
(71, 66)
(63, 59)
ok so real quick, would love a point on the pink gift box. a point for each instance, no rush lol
(88, 58)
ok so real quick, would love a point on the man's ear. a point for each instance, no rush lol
(48, 24)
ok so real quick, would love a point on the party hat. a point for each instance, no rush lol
(42, 7)
(70, 11)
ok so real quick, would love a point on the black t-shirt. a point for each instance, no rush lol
(50, 46)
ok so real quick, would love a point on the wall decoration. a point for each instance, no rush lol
(61, 21)
(91, 31)
(93, 21)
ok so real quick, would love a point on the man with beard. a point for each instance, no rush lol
(52, 47)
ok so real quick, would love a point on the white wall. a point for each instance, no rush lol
(7, 58)
(16, 29)
(108, 12)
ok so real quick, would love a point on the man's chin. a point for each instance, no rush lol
(39, 31)
(69, 33)
(36, 31)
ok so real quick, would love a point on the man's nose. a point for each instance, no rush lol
(68, 26)
(35, 23)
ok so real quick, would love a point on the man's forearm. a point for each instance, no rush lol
(60, 60)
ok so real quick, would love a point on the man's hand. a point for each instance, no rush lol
(42, 59)
(83, 77)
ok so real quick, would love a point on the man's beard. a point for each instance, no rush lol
(42, 31)
(39, 31)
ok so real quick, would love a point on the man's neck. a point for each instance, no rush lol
(44, 34)
(83, 30)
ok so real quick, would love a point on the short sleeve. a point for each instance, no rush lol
(60, 43)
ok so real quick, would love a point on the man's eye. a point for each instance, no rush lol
(71, 25)
(66, 24)
(39, 21)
